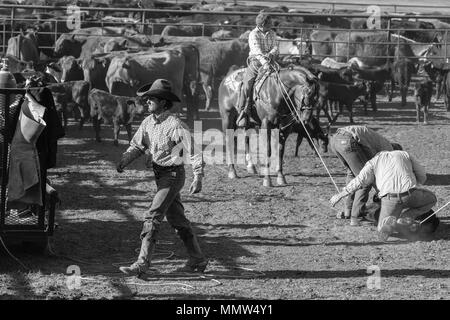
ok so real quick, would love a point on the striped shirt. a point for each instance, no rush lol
(392, 172)
(168, 141)
(261, 44)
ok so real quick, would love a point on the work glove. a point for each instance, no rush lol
(128, 157)
(196, 185)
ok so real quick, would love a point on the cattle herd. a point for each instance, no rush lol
(95, 70)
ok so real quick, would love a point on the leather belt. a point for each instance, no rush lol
(402, 194)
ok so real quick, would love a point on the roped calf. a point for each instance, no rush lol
(315, 132)
(119, 110)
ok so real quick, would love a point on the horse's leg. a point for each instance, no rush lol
(281, 180)
(425, 113)
(248, 158)
(229, 124)
(350, 112)
(265, 129)
(298, 143)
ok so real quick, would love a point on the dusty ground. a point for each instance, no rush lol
(287, 235)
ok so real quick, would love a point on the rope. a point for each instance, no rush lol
(293, 110)
(12, 256)
(435, 212)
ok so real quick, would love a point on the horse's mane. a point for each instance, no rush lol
(305, 72)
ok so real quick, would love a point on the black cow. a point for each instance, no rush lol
(375, 77)
(343, 94)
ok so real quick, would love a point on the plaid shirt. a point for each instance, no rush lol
(165, 136)
(261, 44)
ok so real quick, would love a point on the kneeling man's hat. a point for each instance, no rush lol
(160, 88)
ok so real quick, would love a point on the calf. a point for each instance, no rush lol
(343, 94)
(116, 109)
(72, 92)
(423, 91)
(446, 85)
(315, 132)
(437, 75)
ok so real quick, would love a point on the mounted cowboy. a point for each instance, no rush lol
(263, 45)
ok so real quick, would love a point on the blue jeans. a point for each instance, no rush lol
(167, 203)
(411, 205)
(354, 158)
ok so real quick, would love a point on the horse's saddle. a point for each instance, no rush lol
(236, 79)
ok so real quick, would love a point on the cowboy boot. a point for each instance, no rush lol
(142, 264)
(197, 261)
(242, 118)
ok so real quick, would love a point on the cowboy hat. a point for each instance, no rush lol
(160, 88)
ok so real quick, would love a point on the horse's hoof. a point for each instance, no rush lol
(232, 175)
(267, 182)
(251, 169)
(281, 181)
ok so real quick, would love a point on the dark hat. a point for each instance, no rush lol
(160, 88)
(396, 146)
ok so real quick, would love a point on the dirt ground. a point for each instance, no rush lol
(263, 243)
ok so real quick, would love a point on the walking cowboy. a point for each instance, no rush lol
(263, 45)
(161, 134)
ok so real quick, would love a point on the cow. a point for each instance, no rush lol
(195, 30)
(401, 73)
(84, 42)
(423, 90)
(191, 78)
(126, 74)
(293, 46)
(215, 60)
(225, 34)
(315, 132)
(333, 64)
(70, 69)
(135, 42)
(75, 92)
(54, 70)
(96, 66)
(322, 43)
(343, 94)
(118, 110)
(371, 47)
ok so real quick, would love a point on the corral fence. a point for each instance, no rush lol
(13, 14)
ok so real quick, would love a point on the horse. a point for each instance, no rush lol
(285, 97)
